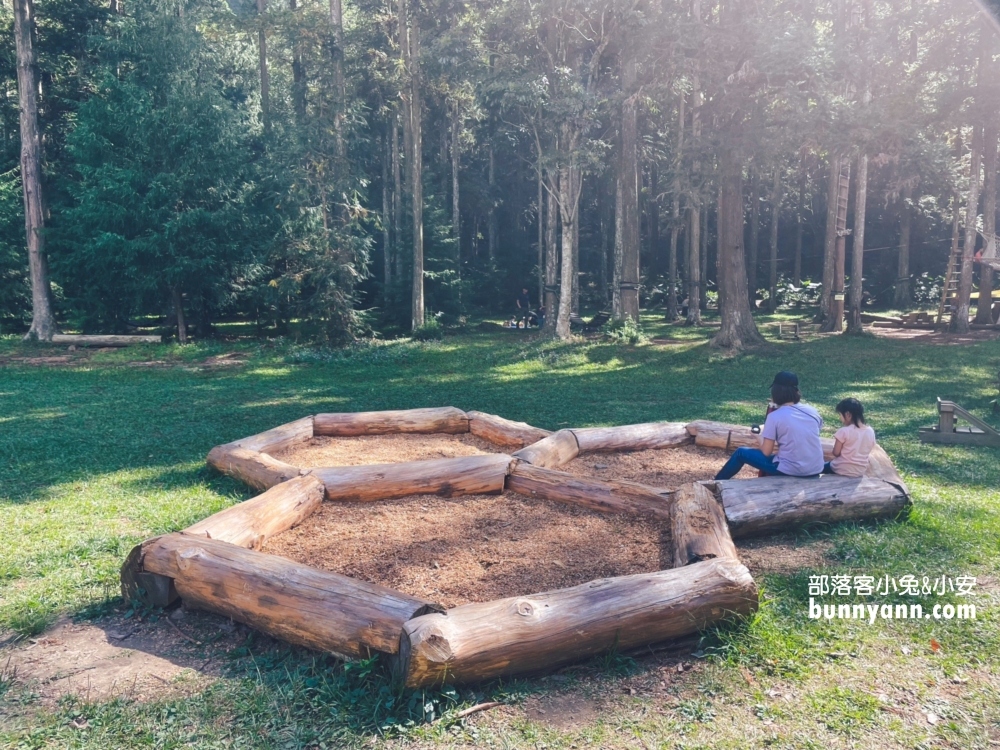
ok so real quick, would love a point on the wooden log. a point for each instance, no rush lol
(250, 467)
(632, 437)
(111, 340)
(446, 419)
(468, 475)
(521, 635)
(603, 495)
(149, 588)
(720, 435)
(880, 466)
(279, 438)
(289, 601)
(698, 528)
(504, 432)
(253, 522)
(553, 452)
(771, 504)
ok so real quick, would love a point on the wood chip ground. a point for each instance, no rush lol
(481, 547)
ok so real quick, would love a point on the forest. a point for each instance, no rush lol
(388, 167)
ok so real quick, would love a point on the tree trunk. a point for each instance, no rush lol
(834, 319)
(703, 256)
(576, 258)
(397, 200)
(984, 306)
(551, 252)
(442, 419)
(738, 328)
(628, 177)
(830, 240)
(491, 226)
(413, 125)
(298, 72)
(265, 78)
(540, 202)
(386, 220)
(799, 222)
(456, 215)
(901, 297)
(337, 22)
(675, 215)
(43, 322)
(179, 313)
(655, 262)
(569, 203)
(772, 262)
(854, 324)
(618, 263)
(960, 315)
(754, 247)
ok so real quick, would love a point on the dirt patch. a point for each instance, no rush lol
(564, 711)
(230, 359)
(122, 658)
(474, 548)
(783, 554)
(943, 338)
(321, 452)
(666, 467)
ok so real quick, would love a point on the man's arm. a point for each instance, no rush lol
(767, 446)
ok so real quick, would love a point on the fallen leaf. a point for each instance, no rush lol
(748, 676)
(935, 646)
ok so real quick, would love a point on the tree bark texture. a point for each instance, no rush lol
(738, 328)
(448, 477)
(772, 261)
(504, 432)
(771, 504)
(265, 77)
(835, 318)
(287, 600)
(527, 634)
(491, 218)
(984, 307)
(43, 322)
(552, 251)
(602, 495)
(554, 452)
(698, 527)
(409, 32)
(854, 324)
(397, 200)
(901, 297)
(251, 523)
(386, 219)
(753, 248)
(631, 437)
(253, 468)
(960, 314)
(799, 225)
(444, 419)
(829, 239)
(456, 213)
(675, 214)
(628, 177)
(569, 204)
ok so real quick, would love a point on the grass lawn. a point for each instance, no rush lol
(101, 450)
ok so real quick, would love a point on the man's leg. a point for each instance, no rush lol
(747, 457)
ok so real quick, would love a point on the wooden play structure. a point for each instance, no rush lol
(216, 564)
(977, 432)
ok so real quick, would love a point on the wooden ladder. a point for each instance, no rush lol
(950, 291)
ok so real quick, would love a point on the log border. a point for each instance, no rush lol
(159, 570)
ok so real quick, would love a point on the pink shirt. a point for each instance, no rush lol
(858, 443)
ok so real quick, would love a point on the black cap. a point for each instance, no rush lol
(787, 378)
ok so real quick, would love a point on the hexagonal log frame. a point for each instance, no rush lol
(215, 564)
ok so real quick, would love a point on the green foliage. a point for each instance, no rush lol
(431, 330)
(626, 331)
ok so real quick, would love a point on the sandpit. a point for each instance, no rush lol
(667, 468)
(474, 548)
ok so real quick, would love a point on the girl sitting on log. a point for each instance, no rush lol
(854, 441)
(790, 445)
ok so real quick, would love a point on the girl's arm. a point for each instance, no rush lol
(767, 447)
(838, 446)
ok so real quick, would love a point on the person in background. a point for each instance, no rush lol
(853, 442)
(790, 445)
(523, 305)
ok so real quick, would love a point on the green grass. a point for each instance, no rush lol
(101, 453)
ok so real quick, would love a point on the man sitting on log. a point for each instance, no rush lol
(789, 445)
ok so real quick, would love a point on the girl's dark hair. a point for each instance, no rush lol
(853, 407)
(785, 394)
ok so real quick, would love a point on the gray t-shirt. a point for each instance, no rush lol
(794, 428)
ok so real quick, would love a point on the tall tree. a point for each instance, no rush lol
(627, 239)
(984, 313)
(43, 323)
